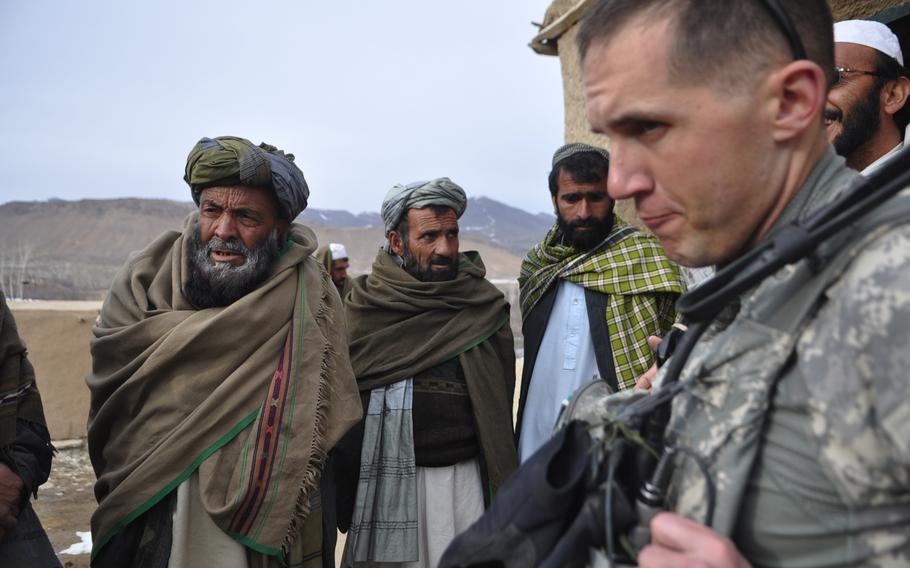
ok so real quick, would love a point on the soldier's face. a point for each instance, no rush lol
(694, 159)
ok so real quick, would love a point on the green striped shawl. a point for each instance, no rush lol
(632, 268)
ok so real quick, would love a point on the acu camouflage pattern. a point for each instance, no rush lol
(840, 322)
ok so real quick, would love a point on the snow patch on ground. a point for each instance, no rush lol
(84, 547)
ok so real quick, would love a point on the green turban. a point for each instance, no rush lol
(420, 194)
(228, 160)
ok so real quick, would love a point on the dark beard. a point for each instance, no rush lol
(861, 124)
(214, 284)
(585, 240)
(425, 273)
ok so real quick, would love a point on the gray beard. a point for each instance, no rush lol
(215, 284)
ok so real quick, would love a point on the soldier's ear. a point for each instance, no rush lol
(797, 94)
(395, 243)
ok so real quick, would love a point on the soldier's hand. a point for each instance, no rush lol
(10, 494)
(677, 541)
(644, 381)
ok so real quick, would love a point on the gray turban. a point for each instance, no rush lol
(420, 194)
(577, 148)
(228, 160)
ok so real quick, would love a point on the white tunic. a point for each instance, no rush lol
(565, 361)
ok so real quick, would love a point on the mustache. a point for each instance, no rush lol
(588, 223)
(440, 260)
(228, 246)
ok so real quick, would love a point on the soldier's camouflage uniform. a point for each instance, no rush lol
(798, 399)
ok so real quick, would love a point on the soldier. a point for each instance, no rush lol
(796, 402)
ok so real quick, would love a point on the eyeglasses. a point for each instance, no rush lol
(841, 73)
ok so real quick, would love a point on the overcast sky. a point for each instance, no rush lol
(104, 99)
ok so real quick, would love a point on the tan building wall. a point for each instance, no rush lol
(57, 337)
(557, 37)
(859, 9)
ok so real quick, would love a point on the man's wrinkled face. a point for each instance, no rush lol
(339, 271)
(430, 249)
(693, 157)
(584, 211)
(236, 214)
(853, 110)
(234, 245)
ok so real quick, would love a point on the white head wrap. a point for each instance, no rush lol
(871, 34)
(338, 251)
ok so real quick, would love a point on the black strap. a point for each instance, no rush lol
(785, 23)
(532, 330)
(600, 336)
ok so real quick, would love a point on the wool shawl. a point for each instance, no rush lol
(252, 395)
(399, 326)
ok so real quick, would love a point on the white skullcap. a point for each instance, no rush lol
(871, 34)
(338, 251)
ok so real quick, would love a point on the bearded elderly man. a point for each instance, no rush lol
(592, 293)
(793, 415)
(221, 380)
(867, 110)
(433, 354)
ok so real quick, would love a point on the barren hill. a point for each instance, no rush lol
(70, 250)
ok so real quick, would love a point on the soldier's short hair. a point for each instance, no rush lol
(727, 43)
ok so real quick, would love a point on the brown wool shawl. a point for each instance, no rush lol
(174, 389)
(399, 326)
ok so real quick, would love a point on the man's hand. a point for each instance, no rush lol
(677, 541)
(644, 381)
(10, 495)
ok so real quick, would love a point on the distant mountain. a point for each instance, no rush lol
(70, 250)
(484, 219)
(340, 219)
(509, 227)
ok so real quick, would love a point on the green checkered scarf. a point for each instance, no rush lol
(632, 268)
